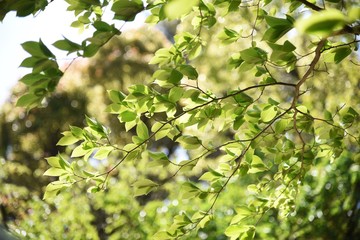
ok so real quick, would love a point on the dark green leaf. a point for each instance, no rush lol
(127, 9)
(322, 23)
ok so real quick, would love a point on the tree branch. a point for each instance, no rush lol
(309, 71)
(311, 5)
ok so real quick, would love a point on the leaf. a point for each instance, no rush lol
(45, 50)
(37, 49)
(257, 165)
(33, 78)
(55, 172)
(253, 55)
(90, 50)
(176, 8)
(103, 152)
(127, 9)
(341, 54)
(268, 114)
(116, 96)
(189, 71)
(234, 231)
(67, 45)
(242, 212)
(54, 162)
(28, 100)
(211, 176)
(281, 125)
(93, 189)
(159, 159)
(189, 142)
(97, 127)
(102, 26)
(175, 77)
(143, 187)
(189, 190)
(142, 130)
(278, 22)
(77, 132)
(175, 94)
(278, 28)
(52, 189)
(234, 5)
(80, 151)
(243, 99)
(67, 139)
(128, 116)
(162, 235)
(195, 51)
(322, 23)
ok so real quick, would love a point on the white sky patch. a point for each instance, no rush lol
(50, 25)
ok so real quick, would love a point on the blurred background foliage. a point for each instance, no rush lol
(327, 206)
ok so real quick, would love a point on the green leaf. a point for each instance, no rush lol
(175, 94)
(67, 45)
(102, 26)
(281, 125)
(257, 165)
(242, 212)
(189, 190)
(28, 100)
(80, 151)
(228, 36)
(90, 50)
(93, 189)
(77, 132)
(37, 49)
(278, 28)
(33, 78)
(189, 142)
(175, 77)
(55, 172)
(189, 71)
(116, 96)
(127, 9)
(67, 139)
(96, 126)
(254, 55)
(243, 99)
(54, 162)
(159, 159)
(234, 231)
(354, 13)
(176, 8)
(278, 22)
(142, 130)
(268, 114)
(341, 54)
(103, 152)
(128, 116)
(144, 186)
(162, 235)
(45, 50)
(52, 189)
(322, 23)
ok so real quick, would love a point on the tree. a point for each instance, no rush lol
(31, 139)
(274, 130)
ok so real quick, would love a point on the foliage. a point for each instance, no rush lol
(273, 130)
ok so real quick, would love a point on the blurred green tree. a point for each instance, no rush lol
(249, 127)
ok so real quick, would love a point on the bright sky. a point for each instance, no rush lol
(49, 25)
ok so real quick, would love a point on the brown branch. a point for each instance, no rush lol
(311, 5)
(308, 72)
